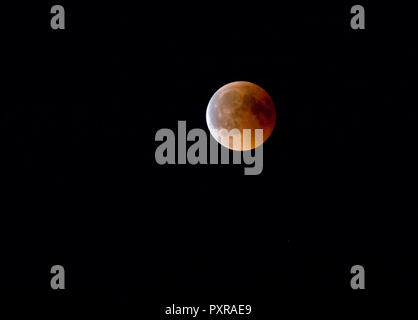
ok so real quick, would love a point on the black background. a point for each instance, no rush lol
(80, 186)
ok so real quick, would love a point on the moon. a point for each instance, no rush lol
(240, 105)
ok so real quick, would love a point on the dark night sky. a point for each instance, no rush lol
(80, 186)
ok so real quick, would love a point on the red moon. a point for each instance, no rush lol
(241, 105)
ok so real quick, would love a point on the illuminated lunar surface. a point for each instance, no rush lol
(240, 105)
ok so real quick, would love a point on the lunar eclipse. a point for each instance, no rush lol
(241, 105)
